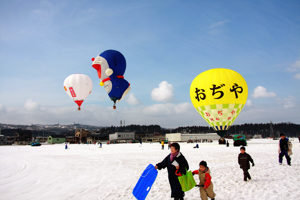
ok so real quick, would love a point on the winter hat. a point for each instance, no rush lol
(203, 163)
(243, 148)
(282, 134)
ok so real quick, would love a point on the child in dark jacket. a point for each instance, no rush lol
(206, 186)
(285, 149)
(244, 160)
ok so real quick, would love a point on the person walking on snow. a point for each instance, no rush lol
(176, 164)
(206, 186)
(284, 149)
(243, 161)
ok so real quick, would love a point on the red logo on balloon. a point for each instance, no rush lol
(72, 92)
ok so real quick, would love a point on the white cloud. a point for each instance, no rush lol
(167, 115)
(132, 100)
(289, 102)
(265, 113)
(294, 67)
(159, 110)
(217, 24)
(249, 103)
(2, 108)
(260, 91)
(164, 92)
(31, 105)
(297, 76)
(183, 107)
(167, 109)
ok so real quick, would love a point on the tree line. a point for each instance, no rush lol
(263, 129)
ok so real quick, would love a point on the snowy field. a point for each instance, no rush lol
(89, 172)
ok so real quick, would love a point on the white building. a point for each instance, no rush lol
(178, 137)
(173, 137)
(257, 136)
(122, 136)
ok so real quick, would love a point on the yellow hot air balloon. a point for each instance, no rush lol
(219, 95)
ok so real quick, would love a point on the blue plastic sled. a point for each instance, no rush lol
(144, 184)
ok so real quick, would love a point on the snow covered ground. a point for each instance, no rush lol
(89, 172)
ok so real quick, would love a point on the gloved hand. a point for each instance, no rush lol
(252, 164)
(177, 172)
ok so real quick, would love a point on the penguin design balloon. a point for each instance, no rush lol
(219, 95)
(111, 66)
(78, 87)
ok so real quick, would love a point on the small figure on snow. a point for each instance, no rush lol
(243, 161)
(162, 145)
(206, 186)
(175, 162)
(285, 149)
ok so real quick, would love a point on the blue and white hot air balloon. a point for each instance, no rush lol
(111, 66)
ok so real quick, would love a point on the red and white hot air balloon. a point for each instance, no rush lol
(78, 87)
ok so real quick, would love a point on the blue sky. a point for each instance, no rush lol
(166, 45)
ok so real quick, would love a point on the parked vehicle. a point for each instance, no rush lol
(36, 144)
(239, 140)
